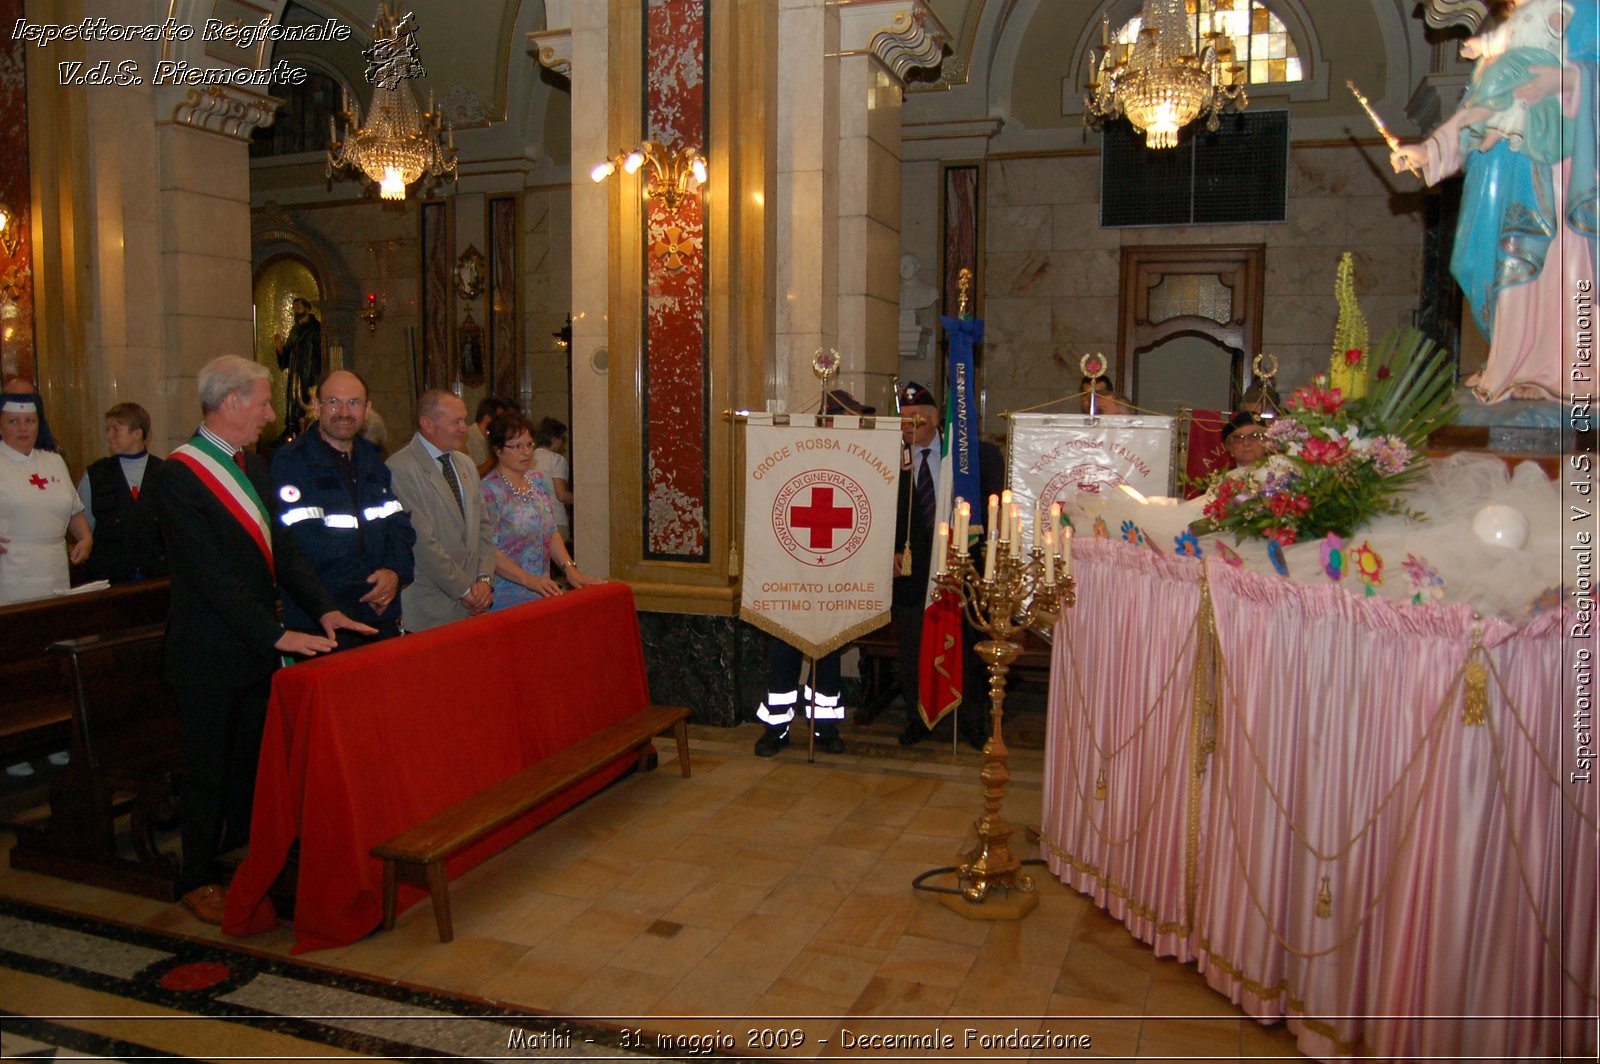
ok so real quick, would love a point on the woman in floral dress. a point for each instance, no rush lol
(522, 512)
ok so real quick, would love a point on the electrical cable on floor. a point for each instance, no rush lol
(918, 884)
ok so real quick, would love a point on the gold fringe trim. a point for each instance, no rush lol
(1475, 676)
(812, 650)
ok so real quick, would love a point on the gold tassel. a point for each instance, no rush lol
(1475, 714)
(1324, 899)
(905, 561)
(1100, 786)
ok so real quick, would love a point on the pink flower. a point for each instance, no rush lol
(1317, 399)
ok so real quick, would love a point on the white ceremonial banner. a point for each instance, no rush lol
(1077, 460)
(819, 527)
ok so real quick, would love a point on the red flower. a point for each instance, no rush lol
(1324, 452)
(1320, 400)
(1383, 373)
(1302, 504)
(1352, 356)
(1285, 536)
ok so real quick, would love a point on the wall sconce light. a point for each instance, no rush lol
(673, 171)
(372, 313)
(10, 230)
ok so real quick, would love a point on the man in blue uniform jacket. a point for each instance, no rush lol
(334, 495)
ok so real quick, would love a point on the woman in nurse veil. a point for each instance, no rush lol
(1525, 135)
(38, 505)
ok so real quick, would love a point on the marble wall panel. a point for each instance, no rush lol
(1076, 227)
(1035, 274)
(716, 666)
(207, 224)
(1380, 220)
(1011, 321)
(883, 261)
(1024, 228)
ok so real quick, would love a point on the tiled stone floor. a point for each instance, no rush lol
(774, 888)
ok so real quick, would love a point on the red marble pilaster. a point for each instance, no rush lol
(17, 357)
(676, 473)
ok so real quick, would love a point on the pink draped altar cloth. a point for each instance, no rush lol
(1386, 877)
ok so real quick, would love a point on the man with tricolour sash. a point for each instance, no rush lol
(227, 553)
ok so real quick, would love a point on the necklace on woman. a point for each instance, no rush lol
(524, 492)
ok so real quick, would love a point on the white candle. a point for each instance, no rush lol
(963, 525)
(941, 545)
(1055, 515)
(989, 529)
(1049, 557)
(988, 558)
(1016, 531)
(1038, 525)
(1066, 553)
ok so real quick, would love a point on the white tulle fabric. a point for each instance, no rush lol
(1459, 860)
(1494, 580)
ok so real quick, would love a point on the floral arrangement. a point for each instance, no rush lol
(1335, 463)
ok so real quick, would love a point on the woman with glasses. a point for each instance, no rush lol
(522, 513)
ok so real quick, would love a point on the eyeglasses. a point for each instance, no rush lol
(348, 404)
(1256, 436)
(525, 445)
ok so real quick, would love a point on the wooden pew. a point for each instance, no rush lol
(36, 709)
(417, 856)
(125, 762)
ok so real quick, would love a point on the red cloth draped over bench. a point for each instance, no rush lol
(361, 745)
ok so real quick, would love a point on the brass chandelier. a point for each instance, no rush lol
(672, 172)
(397, 146)
(1166, 78)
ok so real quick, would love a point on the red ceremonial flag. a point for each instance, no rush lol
(939, 672)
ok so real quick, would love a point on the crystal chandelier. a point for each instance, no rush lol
(397, 146)
(1169, 76)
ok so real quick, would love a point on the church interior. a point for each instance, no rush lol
(656, 220)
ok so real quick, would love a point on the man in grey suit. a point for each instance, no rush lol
(455, 543)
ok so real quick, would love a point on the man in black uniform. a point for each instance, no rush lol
(915, 521)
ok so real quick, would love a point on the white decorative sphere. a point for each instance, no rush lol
(1502, 526)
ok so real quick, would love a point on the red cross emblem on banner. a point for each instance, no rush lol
(39, 482)
(821, 518)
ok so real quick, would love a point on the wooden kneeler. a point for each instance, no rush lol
(418, 855)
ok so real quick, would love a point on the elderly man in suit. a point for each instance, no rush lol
(227, 553)
(454, 552)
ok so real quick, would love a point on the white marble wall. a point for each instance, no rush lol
(546, 298)
(868, 250)
(1052, 274)
(590, 278)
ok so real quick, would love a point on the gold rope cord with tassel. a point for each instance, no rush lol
(1324, 899)
(1475, 701)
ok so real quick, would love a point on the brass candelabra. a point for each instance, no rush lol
(1013, 592)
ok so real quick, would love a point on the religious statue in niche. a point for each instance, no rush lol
(300, 357)
(469, 273)
(469, 346)
(1525, 136)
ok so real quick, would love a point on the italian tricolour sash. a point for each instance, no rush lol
(231, 487)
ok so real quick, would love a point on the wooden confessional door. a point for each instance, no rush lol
(1189, 324)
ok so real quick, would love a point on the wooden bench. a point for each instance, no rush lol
(417, 856)
(124, 762)
(36, 709)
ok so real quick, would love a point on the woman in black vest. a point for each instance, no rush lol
(126, 540)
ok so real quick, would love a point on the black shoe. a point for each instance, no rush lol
(828, 740)
(772, 740)
(913, 735)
